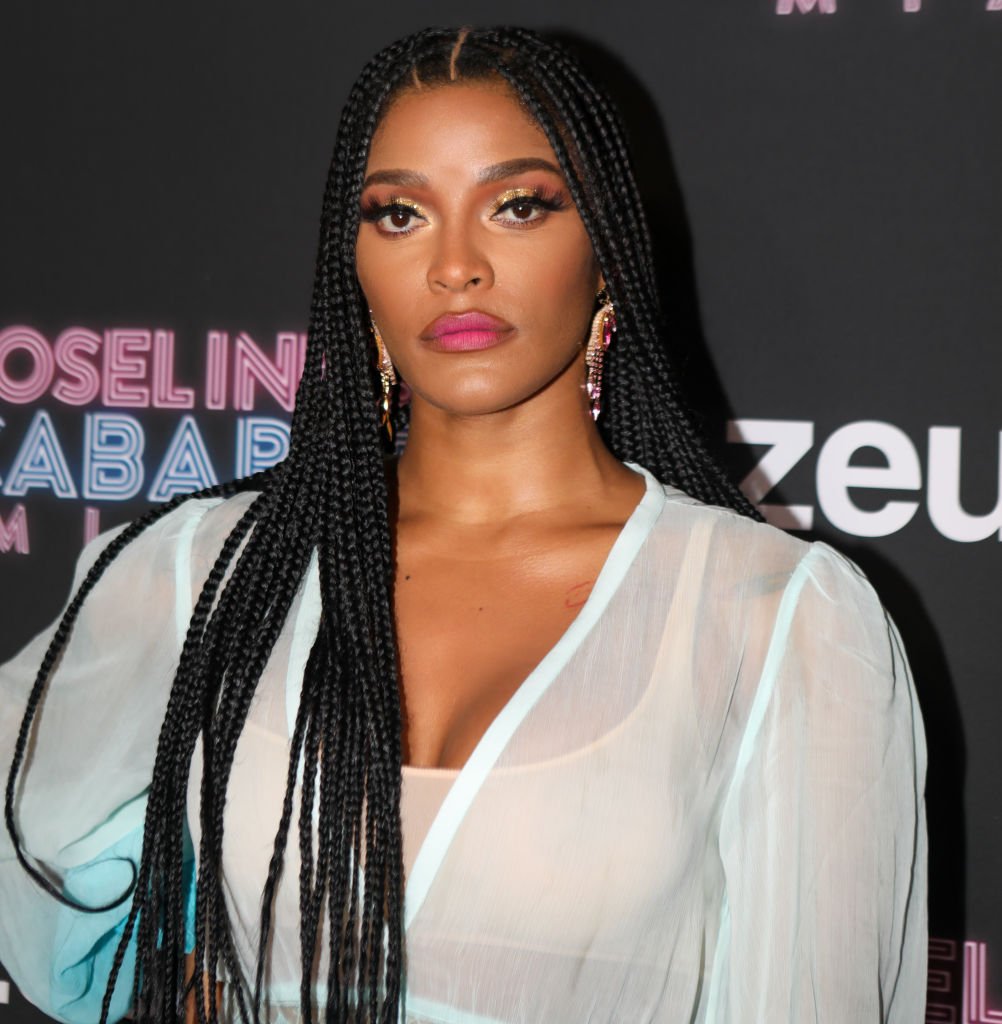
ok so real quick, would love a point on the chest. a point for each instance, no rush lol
(473, 622)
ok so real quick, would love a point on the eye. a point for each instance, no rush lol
(528, 205)
(396, 214)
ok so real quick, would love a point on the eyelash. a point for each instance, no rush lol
(374, 211)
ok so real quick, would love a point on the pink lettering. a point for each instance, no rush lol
(972, 983)
(92, 523)
(83, 383)
(135, 367)
(166, 394)
(944, 969)
(805, 6)
(14, 531)
(279, 377)
(215, 370)
(975, 1004)
(32, 386)
(124, 361)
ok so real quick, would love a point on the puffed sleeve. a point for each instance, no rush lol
(82, 792)
(823, 835)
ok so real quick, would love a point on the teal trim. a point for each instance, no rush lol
(471, 777)
(85, 944)
(189, 880)
(770, 669)
(130, 816)
(756, 716)
(442, 1013)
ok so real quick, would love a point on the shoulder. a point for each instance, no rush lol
(732, 549)
(751, 572)
(781, 630)
(192, 532)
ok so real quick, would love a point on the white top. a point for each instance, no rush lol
(422, 792)
(704, 804)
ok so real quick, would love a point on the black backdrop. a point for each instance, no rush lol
(823, 180)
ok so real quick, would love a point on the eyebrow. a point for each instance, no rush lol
(486, 175)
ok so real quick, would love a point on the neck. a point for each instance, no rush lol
(534, 457)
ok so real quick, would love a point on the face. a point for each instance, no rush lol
(465, 211)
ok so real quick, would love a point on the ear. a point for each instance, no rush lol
(601, 281)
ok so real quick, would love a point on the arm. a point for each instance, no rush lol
(190, 1008)
(823, 836)
(81, 795)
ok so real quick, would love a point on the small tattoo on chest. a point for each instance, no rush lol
(576, 596)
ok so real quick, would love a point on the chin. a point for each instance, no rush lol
(475, 401)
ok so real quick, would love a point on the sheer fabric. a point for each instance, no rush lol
(705, 804)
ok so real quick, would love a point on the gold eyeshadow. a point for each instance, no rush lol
(400, 201)
(373, 210)
(513, 193)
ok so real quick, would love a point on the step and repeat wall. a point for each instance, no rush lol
(824, 180)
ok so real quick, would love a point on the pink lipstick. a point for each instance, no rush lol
(469, 331)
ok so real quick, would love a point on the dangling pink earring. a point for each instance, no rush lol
(387, 377)
(602, 327)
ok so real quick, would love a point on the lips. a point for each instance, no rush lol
(470, 331)
(471, 320)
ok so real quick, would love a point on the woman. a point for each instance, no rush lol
(654, 759)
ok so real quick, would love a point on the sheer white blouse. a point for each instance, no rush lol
(705, 804)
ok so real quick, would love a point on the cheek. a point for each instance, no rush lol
(378, 263)
(394, 279)
(561, 291)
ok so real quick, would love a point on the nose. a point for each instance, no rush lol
(458, 262)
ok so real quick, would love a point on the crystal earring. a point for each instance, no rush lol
(602, 327)
(387, 377)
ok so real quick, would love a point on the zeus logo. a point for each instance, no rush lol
(789, 441)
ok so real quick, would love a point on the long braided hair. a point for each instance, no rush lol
(329, 496)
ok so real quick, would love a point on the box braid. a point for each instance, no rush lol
(329, 497)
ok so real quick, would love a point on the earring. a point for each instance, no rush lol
(602, 327)
(387, 377)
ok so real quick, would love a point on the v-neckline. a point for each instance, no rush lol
(471, 776)
(468, 779)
